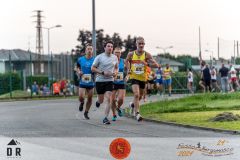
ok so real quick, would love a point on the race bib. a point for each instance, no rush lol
(159, 76)
(86, 78)
(119, 76)
(139, 68)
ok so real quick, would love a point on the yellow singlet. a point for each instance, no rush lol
(138, 70)
(167, 73)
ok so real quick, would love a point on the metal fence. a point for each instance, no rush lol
(25, 74)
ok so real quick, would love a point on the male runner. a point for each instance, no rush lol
(138, 60)
(106, 67)
(86, 83)
(119, 90)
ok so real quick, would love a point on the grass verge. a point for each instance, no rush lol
(196, 110)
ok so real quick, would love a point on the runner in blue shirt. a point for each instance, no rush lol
(86, 83)
(119, 88)
(159, 80)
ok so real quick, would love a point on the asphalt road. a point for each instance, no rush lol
(61, 118)
(55, 129)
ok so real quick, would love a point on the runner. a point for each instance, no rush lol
(106, 67)
(86, 83)
(167, 75)
(159, 80)
(146, 91)
(138, 61)
(214, 83)
(119, 90)
(151, 82)
(233, 78)
(190, 80)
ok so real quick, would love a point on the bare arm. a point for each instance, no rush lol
(150, 59)
(127, 62)
(96, 70)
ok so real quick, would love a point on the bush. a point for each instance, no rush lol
(5, 82)
(40, 79)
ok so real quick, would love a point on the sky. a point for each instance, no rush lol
(162, 23)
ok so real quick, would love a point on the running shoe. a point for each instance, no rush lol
(97, 104)
(120, 112)
(131, 106)
(139, 117)
(106, 121)
(86, 115)
(114, 118)
(81, 107)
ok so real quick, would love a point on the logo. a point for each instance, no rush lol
(13, 149)
(120, 148)
(219, 149)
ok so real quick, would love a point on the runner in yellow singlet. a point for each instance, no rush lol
(167, 76)
(136, 63)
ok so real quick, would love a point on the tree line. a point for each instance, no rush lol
(128, 44)
(85, 37)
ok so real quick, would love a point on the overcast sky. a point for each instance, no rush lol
(161, 22)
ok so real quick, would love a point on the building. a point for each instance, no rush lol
(173, 64)
(28, 63)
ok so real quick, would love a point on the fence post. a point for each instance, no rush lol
(10, 77)
(31, 67)
(52, 73)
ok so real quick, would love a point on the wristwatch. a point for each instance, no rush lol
(102, 72)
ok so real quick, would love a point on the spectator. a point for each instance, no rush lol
(63, 87)
(190, 80)
(46, 91)
(56, 88)
(35, 88)
(207, 77)
(224, 78)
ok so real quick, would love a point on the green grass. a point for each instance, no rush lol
(206, 102)
(197, 119)
(17, 93)
(196, 110)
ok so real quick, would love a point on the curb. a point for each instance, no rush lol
(126, 114)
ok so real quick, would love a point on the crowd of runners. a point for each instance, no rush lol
(108, 73)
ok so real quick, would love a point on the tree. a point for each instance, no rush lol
(85, 37)
(129, 45)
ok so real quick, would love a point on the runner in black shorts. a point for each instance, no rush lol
(86, 83)
(106, 67)
(119, 90)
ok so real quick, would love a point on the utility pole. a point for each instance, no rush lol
(39, 40)
(200, 50)
(93, 29)
(234, 55)
(218, 48)
(237, 50)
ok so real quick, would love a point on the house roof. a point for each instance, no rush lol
(20, 55)
(164, 61)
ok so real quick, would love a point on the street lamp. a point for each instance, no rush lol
(48, 31)
(211, 56)
(164, 48)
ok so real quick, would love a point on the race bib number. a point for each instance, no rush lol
(86, 78)
(139, 68)
(119, 76)
(159, 76)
